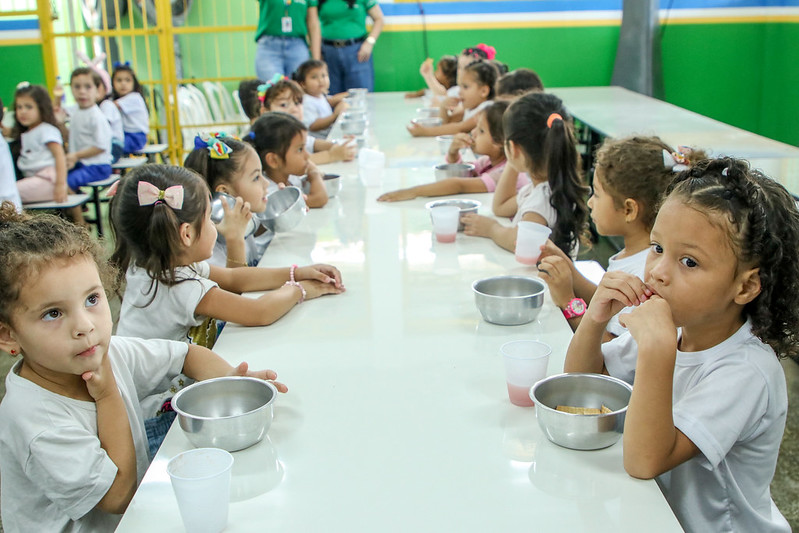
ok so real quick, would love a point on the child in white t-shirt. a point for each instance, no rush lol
(111, 112)
(72, 438)
(8, 178)
(319, 110)
(41, 159)
(129, 98)
(715, 310)
(630, 178)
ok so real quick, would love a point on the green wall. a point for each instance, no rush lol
(19, 63)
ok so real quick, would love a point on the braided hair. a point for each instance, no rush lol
(763, 228)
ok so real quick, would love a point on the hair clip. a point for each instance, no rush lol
(213, 142)
(266, 86)
(23, 85)
(676, 161)
(251, 136)
(552, 118)
(149, 194)
(118, 64)
(112, 190)
(490, 51)
(725, 171)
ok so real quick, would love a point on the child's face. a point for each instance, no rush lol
(463, 62)
(608, 218)
(472, 93)
(202, 246)
(483, 142)
(317, 82)
(26, 111)
(250, 182)
(63, 321)
(692, 266)
(123, 82)
(296, 160)
(84, 91)
(285, 103)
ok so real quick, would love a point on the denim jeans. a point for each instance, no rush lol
(346, 72)
(279, 55)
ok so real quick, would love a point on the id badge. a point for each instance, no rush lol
(285, 24)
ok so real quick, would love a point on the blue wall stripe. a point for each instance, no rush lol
(19, 24)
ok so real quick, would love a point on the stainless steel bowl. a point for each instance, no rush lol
(353, 126)
(332, 184)
(581, 432)
(353, 115)
(285, 209)
(427, 112)
(428, 121)
(443, 143)
(218, 212)
(509, 300)
(231, 413)
(467, 206)
(454, 170)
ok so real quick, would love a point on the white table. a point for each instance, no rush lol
(398, 418)
(618, 112)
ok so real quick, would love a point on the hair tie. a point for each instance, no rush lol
(725, 171)
(149, 194)
(490, 51)
(676, 161)
(23, 85)
(251, 136)
(118, 64)
(552, 118)
(276, 78)
(213, 142)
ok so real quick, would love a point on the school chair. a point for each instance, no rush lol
(73, 200)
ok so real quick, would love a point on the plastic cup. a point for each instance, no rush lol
(201, 482)
(525, 364)
(530, 236)
(371, 165)
(445, 222)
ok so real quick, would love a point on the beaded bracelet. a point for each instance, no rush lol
(292, 282)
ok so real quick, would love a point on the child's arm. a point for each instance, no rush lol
(201, 363)
(232, 228)
(427, 72)
(439, 188)
(60, 190)
(336, 99)
(74, 157)
(582, 286)
(325, 122)
(113, 430)
(330, 152)
(317, 195)
(444, 129)
(504, 203)
(415, 94)
(652, 444)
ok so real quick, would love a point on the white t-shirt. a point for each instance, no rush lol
(156, 311)
(535, 198)
(315, 107)
(8, 180)
(89, 127)
(454, 91)
(634, 265)
(254, 248)
(309, 143)
(731, 402)
(294, 181)
(54, 471)
(114, 120)
(135, 117)
(34, 154)
(469, 113)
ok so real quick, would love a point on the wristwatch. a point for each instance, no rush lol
(576, 307)
(371, 40)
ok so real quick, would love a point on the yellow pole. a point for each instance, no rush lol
(48, 42)
(166, 50)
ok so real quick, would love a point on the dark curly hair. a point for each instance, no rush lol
(248, 96)
(485, 74)
(449, 67)
(633, 167)
(518, 82)
(41, 98)
(31, 243)
(763, 229)
(552, 151)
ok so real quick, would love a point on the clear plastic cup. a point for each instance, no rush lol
(371, 165)
(445, 222)
(201, 482)
(525, 364)
(530, 237)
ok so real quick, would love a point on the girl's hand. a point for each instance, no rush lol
(320, 272)
(365, 52)
(340, 108)
(234, 223)
(101, 382)
(397, 196)
(315, 289)
(652, 322)
(417, 131)
(478, 225)
(459, 142)
(616, 291)
(557, 274)
(344, 151)
(550, 249)
(426, 68)
(312, 172)
(266, 375)
(60, 192)
(71, 160)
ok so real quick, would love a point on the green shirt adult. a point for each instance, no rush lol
(339, 22)
(271, 13)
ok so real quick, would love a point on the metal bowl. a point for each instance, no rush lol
(285, 209)
(427, 122)
(356, 103)
(353, 115)
(575, 431)
(467, 206)
(332, 184)
(231, 413)
(454, 170)
(509, 300)
(218, 212)
(427, 112)
(443, 143)
(353, 126)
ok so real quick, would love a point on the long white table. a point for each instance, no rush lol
(397, 417)
(618, 112)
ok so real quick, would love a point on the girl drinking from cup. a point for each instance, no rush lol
(72, 437)
(714, 312)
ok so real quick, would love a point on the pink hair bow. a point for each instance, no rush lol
(149, 194)
(490, 51)
(94, 64)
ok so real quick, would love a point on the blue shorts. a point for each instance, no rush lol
(134, 141)
(82, 174)
(157, 428)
